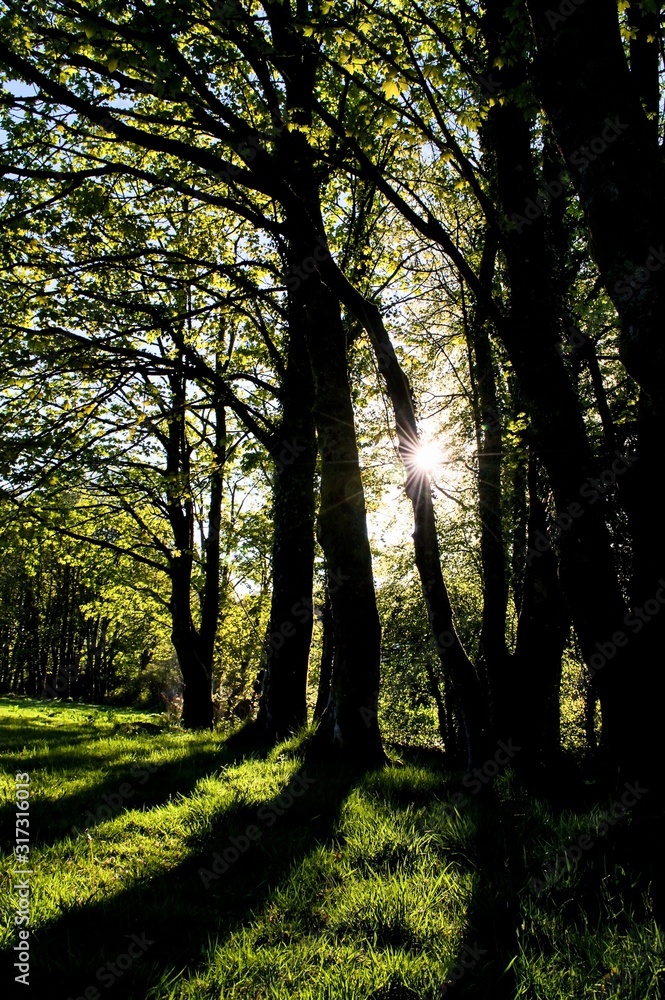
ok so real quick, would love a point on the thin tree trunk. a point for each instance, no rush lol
(327, 655)
(211, 554)
(493, 661)
(194, 656)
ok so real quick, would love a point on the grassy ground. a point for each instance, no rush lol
(203, 874)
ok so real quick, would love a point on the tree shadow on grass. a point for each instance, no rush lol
(128, 786)
(13, 745)
(483, 969)
(33, 720)
(181, 909)
(630, 855)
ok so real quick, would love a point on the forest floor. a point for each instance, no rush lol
(167, 865)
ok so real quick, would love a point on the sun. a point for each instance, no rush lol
(427, 457)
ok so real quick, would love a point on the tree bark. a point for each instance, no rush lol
(458, 669)
(531, 336)
(350, 721)
(542, 626)
(493, 660)
(327, 656)
(194, 647)
(283, 702)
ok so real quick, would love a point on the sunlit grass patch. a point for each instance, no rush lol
(354, 886)
(563, 953)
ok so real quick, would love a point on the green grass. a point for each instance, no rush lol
(364, 886)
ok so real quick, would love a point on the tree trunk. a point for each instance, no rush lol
(493, 661)
(197, 707)
(327, 656)
(531, 336)
(541, 634)
(194, 649)
(210, 597)
(458, 670)
(350, 721)
(195, 665)
(283, 702)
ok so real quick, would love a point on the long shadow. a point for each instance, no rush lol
(128, 786)
(13, 747)
(494, 914)
(481, 969)
(633, 843)
(68, 739)
(178, 910)
(484, 968)
(19, 735)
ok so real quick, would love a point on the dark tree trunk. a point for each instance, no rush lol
(458, 670)
(195, 665)
(541, 634)
(327, 656)
(445, 720)
(531, 336)
(350, 721)
(283, 702)
(194, 647)
(210, 597)
(493, 652)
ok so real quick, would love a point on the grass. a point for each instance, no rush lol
(266, 878)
